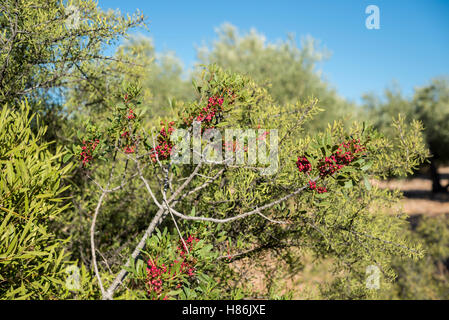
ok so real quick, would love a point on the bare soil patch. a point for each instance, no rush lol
(418, 196)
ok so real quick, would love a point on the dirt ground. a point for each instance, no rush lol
(418, 196)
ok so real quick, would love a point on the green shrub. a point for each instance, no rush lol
(31, 258)
(427, 278)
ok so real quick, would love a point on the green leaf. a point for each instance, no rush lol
(174, 293)
(366, 166)
(66, 157)
(367, 183)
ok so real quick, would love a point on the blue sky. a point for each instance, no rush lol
(411, 46)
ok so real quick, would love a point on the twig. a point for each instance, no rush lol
(92, 241)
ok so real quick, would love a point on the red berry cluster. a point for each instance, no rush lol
(156, 275)
(186, 266)
(345, 154)
(188, 120)
(303, 164)
(312, 186)
(131, 114)
(208, 112)
(88, 149)
(129, 145)
(129, 149)
(164, 145)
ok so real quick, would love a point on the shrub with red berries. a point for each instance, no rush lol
(128, 142)
(213, 108)
(230, 204)
(164, 145)
(174, 266)
(303, 164)
(209, 114)
(161, 277)
(126, 121)
(131, 114)
(345, 154)
(88, 149)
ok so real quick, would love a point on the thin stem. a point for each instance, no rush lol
(92, 241)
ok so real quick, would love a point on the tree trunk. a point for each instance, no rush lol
(436, 179)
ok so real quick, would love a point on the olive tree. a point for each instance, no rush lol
(430, 105)
(289, 72)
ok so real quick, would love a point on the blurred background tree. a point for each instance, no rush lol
(289, 72)
(430, 105)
